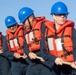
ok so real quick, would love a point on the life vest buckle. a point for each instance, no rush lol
(35, 40)
(66, 54)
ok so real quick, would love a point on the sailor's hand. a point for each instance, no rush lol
(40, 58)
(58, 61)
(73, 65)
(16, 55)
(1, 51)
(32, 55)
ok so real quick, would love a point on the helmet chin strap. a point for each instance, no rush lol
(29, 21)
(30, 24)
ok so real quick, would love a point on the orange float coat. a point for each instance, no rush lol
(15, 41)
(33, 35)
(60, 41)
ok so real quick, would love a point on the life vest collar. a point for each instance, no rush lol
(13, 35)
(50, 26)
(38, 20)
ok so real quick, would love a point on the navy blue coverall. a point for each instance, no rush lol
(18, 66)
(37, 67)
(64, 69)
(4, 61)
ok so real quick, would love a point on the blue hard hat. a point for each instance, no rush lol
(10, 21)
(59, 8)
(24, 13)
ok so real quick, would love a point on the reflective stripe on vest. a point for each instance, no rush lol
(13, 43)
(30, 36)
(57, 43)
(33, 43)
